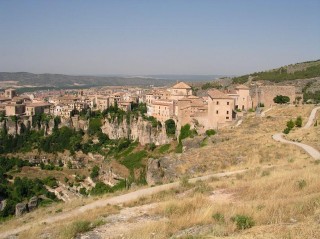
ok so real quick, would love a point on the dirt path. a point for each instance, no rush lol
(112, 201)
(311, 118)
(263, 113)
(310, 150)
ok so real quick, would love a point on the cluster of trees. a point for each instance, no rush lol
(22, 188)
(210, 85)
(291, 124)
(170, 127)
(61, 139)
(281, 74)
(185, 132)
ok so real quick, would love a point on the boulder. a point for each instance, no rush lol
(21, 208)
(3, 204)
(194, 142)
(162, 170)
(33, 203)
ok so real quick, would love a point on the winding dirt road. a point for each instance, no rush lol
(310, 150)
(112, 201)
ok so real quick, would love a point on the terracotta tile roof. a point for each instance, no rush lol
(216, 94)
(39, 104)
(181, 85)
(242, 87)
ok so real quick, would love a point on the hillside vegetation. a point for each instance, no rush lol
(277, 196)
(66, 81)
(303, 70)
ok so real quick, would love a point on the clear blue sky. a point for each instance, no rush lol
(157, 37)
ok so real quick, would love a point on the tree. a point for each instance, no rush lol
(299, 121)
(94, 126)
(281, 99)
(69, 165)
(290, 124)
(170, 127)
(95, 172)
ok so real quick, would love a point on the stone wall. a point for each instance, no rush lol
(136, 129)
(266, 94)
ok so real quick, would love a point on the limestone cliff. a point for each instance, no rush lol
(16, 127)
(136, 129)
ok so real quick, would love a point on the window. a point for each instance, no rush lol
(217, 112)
(228, 103)
(217, 102)
(227, 117)
(227, 112)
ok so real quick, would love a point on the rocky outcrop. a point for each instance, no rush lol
(21, 208)
(162, 170)
(136, 129)
(25, 122)
(194, 142)
(33, 203)
(3, 204)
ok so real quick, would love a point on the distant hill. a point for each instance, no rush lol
(304, 70)
(25, 79)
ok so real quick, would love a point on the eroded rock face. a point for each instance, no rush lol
(162, 170)
(33, 203)
(3, 204)
(194, 142)
(136, 129)
(21, 208)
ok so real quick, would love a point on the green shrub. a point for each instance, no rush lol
(133, 160)
(281, 99)
(83, 191)
(299, 121)
(185, 132)
(302, 183)
(95, 172)
(286, 131)
(164, 148)
(210, 132)
(179, 148)
(79, 227)
(170, 127)
(50, 181)
(243, 222)
(290, 124)
(100, 188)
(218, 217)
(152, 146)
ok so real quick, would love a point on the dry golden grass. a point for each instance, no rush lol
(66, 229)
(248, 145)
(309, 136)
(280, 206)
(284, 201)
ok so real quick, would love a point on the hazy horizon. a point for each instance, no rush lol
(157, 38)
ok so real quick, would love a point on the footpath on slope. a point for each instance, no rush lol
(113, 201)
(310, 150)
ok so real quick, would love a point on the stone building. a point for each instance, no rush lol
(220, 109)
(37, 108)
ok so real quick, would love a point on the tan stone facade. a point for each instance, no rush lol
(266, 94)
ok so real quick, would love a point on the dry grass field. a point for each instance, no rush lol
(282, 201)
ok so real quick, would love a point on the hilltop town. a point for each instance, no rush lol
(73, 145)
(216, 108)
